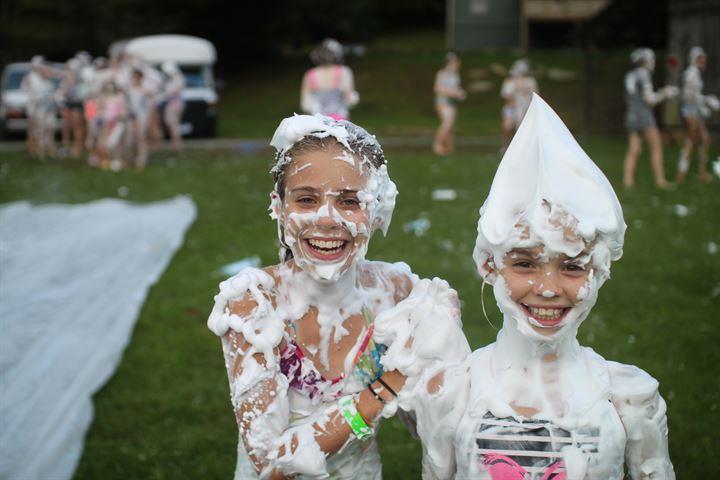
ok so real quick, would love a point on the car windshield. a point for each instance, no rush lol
(194, 76)
(13, 79)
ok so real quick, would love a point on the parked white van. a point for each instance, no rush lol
(195, 57)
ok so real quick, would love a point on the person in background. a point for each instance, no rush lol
(139, 110)
(640, 99)
(328, 88)
(447, 93)
(41, 108)
(174, 103)
(517, 92)
(72, 111)
(695, 108)
(113, 109)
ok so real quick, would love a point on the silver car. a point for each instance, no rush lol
(13, 101)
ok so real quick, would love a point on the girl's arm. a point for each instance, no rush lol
(307, 103)
(350, 95)
(652, 97)
(262, 415)
(439, 406)
(643, 413)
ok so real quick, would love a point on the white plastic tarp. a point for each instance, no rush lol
(72, 281)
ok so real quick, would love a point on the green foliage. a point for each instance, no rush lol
(165, 414)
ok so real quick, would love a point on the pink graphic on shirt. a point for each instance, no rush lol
(501, 467)
(553, 472)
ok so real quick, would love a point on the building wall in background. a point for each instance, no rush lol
(483, 23)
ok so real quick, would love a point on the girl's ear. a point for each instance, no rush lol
(276, 207)
(491, 272)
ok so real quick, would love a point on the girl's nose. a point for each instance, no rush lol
(325, 216)
(548, 286)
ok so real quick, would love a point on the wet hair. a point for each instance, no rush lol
(329, 52)
(362, 145)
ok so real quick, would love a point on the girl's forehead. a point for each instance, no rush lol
(335, 168)
(540, 252)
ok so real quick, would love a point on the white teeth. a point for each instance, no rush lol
(546, 313)
(333, 246)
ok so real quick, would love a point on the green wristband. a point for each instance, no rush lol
(353, 417)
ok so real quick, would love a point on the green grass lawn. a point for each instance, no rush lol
(166, 412)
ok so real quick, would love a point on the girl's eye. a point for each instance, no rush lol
(349, 202)
(573, 267)
(523, 264)
(306, 200)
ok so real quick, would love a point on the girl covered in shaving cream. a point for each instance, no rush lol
(307, 379)
(535, 405)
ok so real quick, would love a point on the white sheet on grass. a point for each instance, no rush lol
(72, 281)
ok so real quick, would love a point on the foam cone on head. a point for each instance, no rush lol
(543, 168)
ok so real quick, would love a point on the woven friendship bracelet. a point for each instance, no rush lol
(353, 418)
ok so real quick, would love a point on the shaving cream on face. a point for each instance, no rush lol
(376, 195)
(548, 192)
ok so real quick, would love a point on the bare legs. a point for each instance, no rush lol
(508, 128)
(173, 115)
(445, 136)
(697, 134)
(78, 132)
(652, 136)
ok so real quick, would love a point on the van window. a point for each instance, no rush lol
(194, 76)
(13, 79)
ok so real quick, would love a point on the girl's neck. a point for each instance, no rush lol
(327, 293)
(513, 348)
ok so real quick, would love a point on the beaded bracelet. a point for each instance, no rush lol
(353, 418)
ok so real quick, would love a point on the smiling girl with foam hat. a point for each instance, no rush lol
(535, 404)
(306, 378)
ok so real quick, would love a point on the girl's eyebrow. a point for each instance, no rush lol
(303, 189)
(523, 251)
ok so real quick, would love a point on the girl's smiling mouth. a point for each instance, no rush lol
(326, 249)
(547, 316)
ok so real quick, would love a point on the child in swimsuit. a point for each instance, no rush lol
(328, 88)
(306, 377)
(447, 93)
(535, 405)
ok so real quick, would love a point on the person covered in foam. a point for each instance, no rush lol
(306, 378)
(516, 91)
(640, 100)
(535, 404)
(696, 107)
